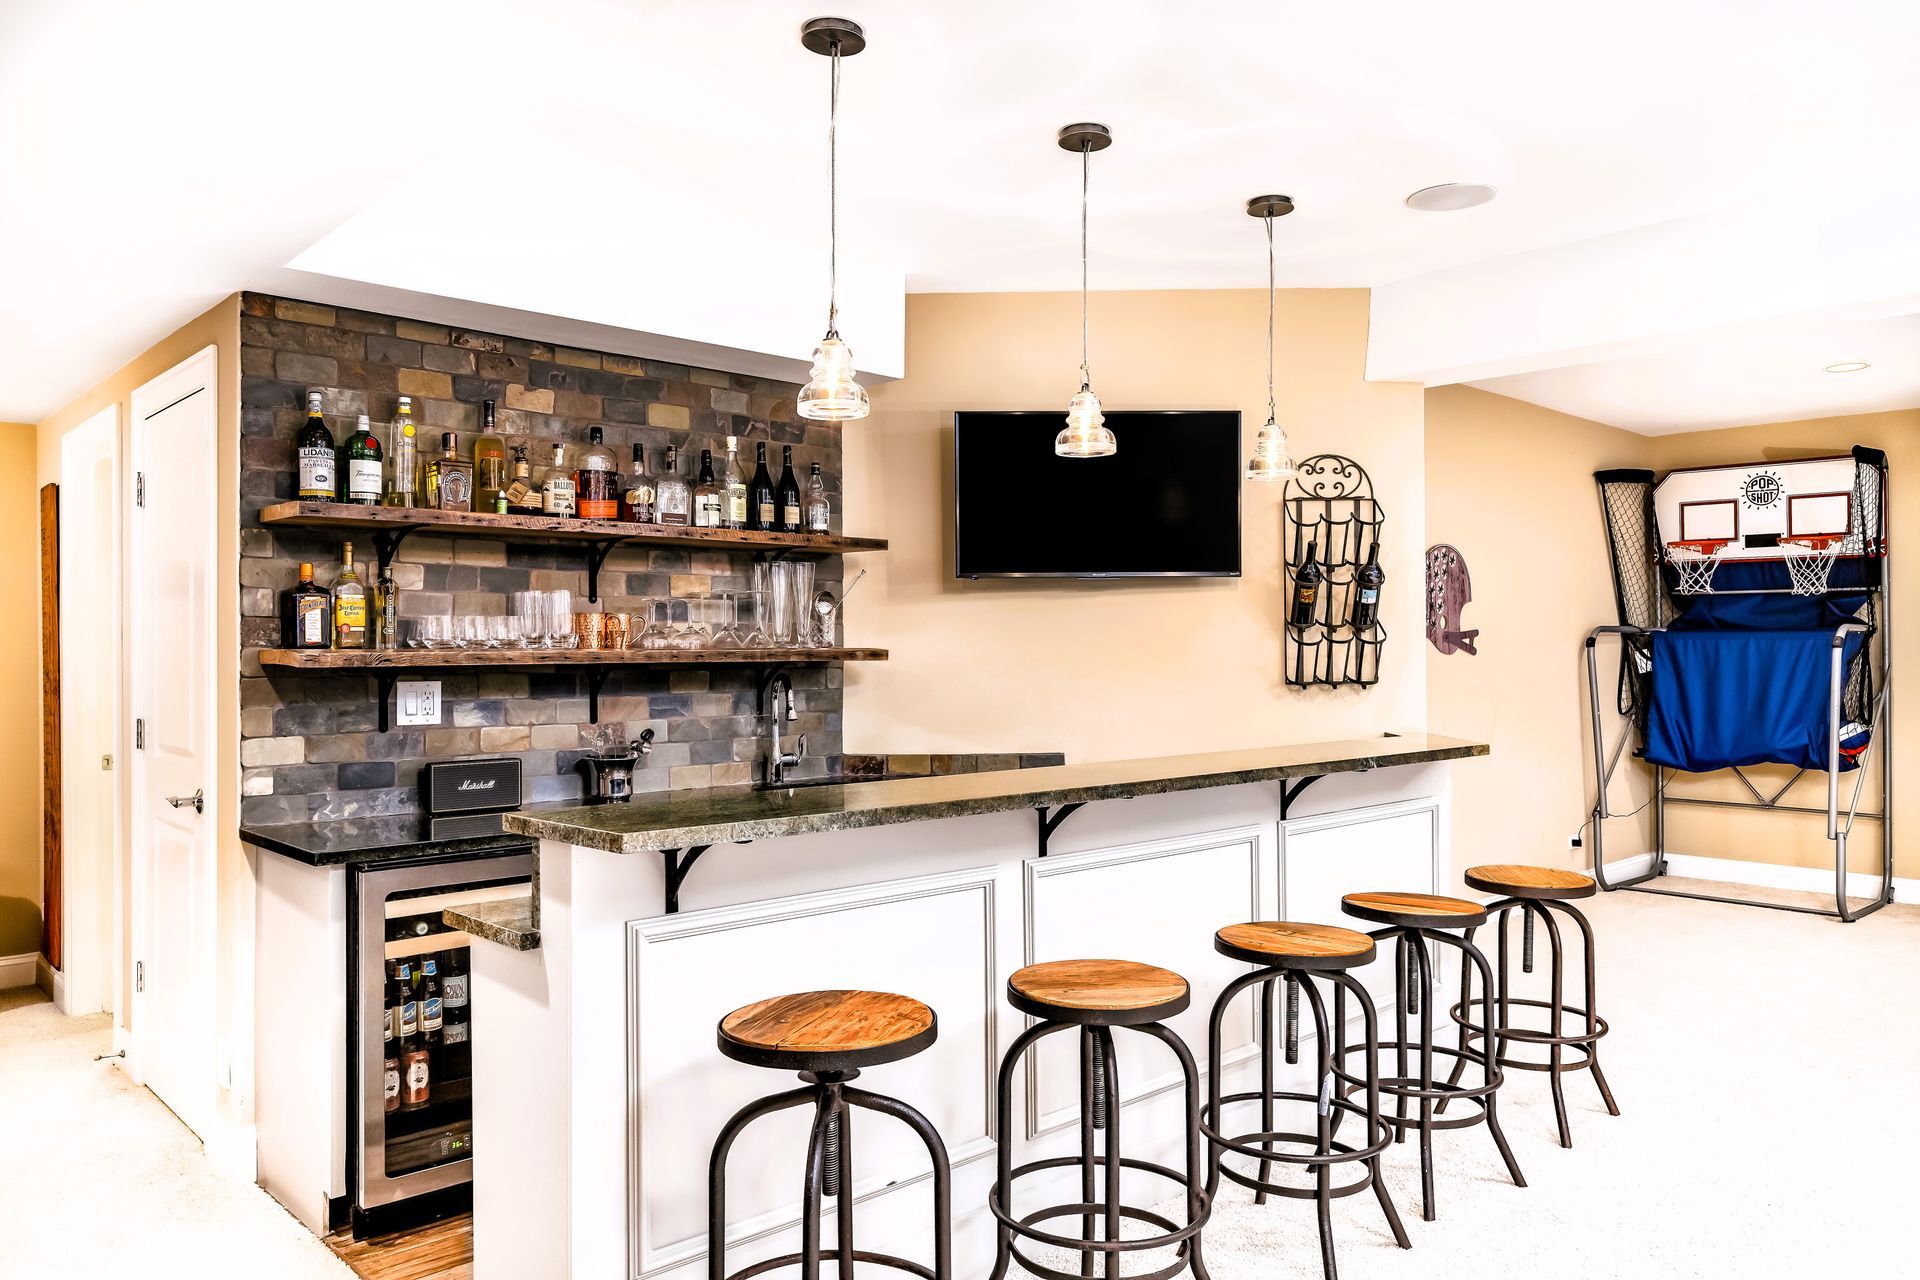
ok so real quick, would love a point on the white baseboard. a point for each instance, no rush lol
(54, 983)
(20, 971)
(1764, 875)
(232, 1149)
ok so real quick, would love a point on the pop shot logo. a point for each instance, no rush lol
(1762, 489)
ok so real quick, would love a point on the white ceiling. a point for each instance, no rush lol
(169, 154)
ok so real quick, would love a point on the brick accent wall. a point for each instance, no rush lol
(309, 749)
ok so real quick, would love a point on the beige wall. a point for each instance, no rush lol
(1511, 486)
(19, 693)
(1802, 840)
(220, 328)
(1111, 670)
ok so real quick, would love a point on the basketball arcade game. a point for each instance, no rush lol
(1755, 629)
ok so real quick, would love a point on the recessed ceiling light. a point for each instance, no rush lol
(1449, 196)
(1848, 366)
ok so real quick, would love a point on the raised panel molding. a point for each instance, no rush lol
(933, 937)
(1090, 905)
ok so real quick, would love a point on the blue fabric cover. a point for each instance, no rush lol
(1723, 698)
(1770, 612)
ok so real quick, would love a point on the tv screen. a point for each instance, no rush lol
(1166, 504)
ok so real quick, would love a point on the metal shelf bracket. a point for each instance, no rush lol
(1050, 820)
(597, 553)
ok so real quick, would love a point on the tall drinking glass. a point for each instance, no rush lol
(800, 604)
(780, 602)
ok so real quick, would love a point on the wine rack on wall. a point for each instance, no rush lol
(1330, 506)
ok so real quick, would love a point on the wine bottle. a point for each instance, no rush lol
(763, 504)
(706, 495)
(1306, 589)
(361, 482)
(1366, 594)
(789, 492)
(314, 446)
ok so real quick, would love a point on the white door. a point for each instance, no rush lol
(171, 597)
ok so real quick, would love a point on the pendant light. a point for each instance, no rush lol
(1085, 435)
(1270, 461)
(831, 394)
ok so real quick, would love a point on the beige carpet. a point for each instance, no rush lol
(97, 1178)
(1766, 1065)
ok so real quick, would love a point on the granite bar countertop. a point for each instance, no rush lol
(677, 819)
(510, 922)
(393, 838)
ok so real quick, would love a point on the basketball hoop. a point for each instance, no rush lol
(1693, 564)
(1809, 559)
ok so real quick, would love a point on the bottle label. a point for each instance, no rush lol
(596, 497)
(639, 503)
(430, 1014)
(1306, 593)
(455, 992)
(363, 480)
(1369, 595)
(312, 628)
(520, 494)
(736, 506)
(706, 510)
(790, 515)
(392, 1081)
(416, 1077)
(316, 472)
(559, 497)
(409, 1017)
(456, 1033)
(454, 487)
(817, 518)
(766, 515)
(350, 611)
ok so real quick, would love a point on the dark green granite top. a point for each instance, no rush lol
(676, 819)
(509, 922)
(395, 838)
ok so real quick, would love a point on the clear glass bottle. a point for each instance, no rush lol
(707, 498)
(314, 446)
(819, 512)
(733, 489)
(671, 495)
(489, 463)
(349, 605)
(403, 464)
(636, 504)
(361, 473)
(596, 481)
(388, 596)
(556, 490)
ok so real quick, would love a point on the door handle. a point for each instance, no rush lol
(198, 800)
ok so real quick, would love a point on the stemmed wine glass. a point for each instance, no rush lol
(727, 634)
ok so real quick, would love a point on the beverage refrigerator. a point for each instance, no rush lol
(410, 1023)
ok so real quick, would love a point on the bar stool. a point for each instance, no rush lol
(1295, 954)
(1415, 921)
(1095, 996)
(828, 1037)
(1538, 892)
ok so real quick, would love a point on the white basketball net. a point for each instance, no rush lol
(1809, 565)
(1694, 568)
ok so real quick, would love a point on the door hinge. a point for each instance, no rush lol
(140, 735)
(139, 975)
(139, 488)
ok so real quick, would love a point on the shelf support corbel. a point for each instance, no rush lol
(1050, 820)
(1289, 792)
(386, 543)
(383, 681)
(597, 553)
(596, 680)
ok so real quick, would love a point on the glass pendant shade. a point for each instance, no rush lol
(1270, 460)
(831, 394)
(1085, 435)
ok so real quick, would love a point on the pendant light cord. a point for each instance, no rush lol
(833, 198)
(1270, 415)
(1086, 165)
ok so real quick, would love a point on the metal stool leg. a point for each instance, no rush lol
(1110, 1148)
(1593, 1005)
(829, 1106)
(1427, 1208)
(1090, 1121)
(717, 1170)
(1198, 1198)
(942, 1171)
(1402, 992)
(1554, 1012)
(1003, 1181)
(1491, 1074)
(1343, 982)
(1266, 1077)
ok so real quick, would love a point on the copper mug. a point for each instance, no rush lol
(616, 630)
(590, 630)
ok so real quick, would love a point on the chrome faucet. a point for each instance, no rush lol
(776, 703)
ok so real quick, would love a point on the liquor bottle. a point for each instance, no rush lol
(763, 503)
(403, 468)
(596, 482)
(636, 504)
(456, 1049)
(449, 477)
(522, 494)
(314, 446)
(706, 495)
(349, 605)
(303, 614)
(361, 473)
(387, 595)
(671, 495)
(733, 488)
(1366, 593)
(489, 463)
(819, 512)
(789, 493)
(556, 490)
(1306, 589)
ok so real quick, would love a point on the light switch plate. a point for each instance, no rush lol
(416, 702)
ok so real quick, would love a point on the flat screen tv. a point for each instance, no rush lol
(1165, 505)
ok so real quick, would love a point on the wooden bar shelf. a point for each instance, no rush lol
(386, 666)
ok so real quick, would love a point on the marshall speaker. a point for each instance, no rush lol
(467, 797)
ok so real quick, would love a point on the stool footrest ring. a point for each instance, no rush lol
(833, 1255)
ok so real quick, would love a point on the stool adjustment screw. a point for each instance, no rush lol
(1526, 940)
(1413, 974)
(830, 1158)
(1098, 1066)
(1293, 1020)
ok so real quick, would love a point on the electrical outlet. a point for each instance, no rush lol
(1573, 841)
(416, 702)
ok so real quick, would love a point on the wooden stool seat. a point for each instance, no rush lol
(1415, 910)
(1108, 993)
(827, 1031)
(1515, 881)
(1284, 945)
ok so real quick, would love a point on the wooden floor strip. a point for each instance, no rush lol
(440, 1251)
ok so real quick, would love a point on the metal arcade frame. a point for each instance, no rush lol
(1655, 608)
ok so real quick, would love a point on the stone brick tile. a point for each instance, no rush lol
(447, 359)
(689, 584)
(259, 752)
(256, 722)
(452, 742)
(503, 684)
(256, 362)
(426, 384)
(268, 811)
(501, 368)
(577, 358)
(296, 366)
(505, 738)
(622, 364)
(258, 602)
(302, 312)
(691, 775)
(690, 680)
(425, 604)
(362, 321)
(735, 774)
(420, 332)
(338, 746)
(555, 737)
(450, 415)
(479, 341)
(401, 351)
(427, 550)
(366, 774)
(916, 766)
(530, 399)
(670, 416)
(256, 782)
